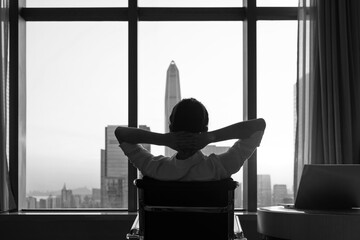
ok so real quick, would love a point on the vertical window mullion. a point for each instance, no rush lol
(249, 94)
(133, 94)
(17, 104)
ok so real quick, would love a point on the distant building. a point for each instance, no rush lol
(42, 203)
(172, 97)
(31, 202)
(238, 197)
(264, 190)
(76, 201)
(66, 198)
(280, 194)
(114, 171)
(57, 202)
(51, 202)
(96, 195)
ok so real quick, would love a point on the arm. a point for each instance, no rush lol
(249, 132)
(136, 135)
(240, 130)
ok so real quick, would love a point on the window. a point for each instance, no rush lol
(76, 91)
(213, 74)
(277, 3)
(76, 3)
(276, 95)
(89, 64)
(190, 3)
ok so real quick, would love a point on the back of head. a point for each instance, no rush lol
(189, 115)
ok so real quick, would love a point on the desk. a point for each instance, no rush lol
(283, 223)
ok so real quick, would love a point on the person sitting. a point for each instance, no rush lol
(188, 135)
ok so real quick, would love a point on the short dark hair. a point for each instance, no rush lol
(189, 115)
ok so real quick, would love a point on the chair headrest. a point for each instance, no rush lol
(147, 182)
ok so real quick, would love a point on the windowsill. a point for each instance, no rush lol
(96, 215)
(116, 213)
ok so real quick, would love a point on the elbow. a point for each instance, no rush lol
(118, 134)
(262, 124)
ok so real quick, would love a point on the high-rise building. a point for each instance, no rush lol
(76, 202)
(42, 203)
(66, 198)
(114, 171)
(96, 196)
(172, 97)
(51, 202)
(31, 202)
(238, 197)
(280, 194)
(264, 190)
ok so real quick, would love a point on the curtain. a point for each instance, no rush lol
(6, 197)
(328, 84)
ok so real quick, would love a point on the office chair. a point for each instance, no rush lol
(186, 210)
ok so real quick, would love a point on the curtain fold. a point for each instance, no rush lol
(328, 86)
(6, 197)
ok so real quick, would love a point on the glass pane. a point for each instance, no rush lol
(208, 58)
(277, 3)
(190, 3)
(76, 91)
(276, 75)
(76, 3)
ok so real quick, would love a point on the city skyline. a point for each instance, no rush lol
(68, 198)
(68, 110)
(114, 164)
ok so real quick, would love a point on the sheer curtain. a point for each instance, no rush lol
(6, 197)
(328, 86)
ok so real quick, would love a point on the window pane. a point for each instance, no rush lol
(76, 3)
(76, 89)
(276, 75)
(190, 3)
(277, 3)
(208, 57)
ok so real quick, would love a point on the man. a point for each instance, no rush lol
(188, 135)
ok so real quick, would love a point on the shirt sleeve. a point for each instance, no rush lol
(234, 158)
(137, 154)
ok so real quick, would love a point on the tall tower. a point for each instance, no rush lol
(172, 97)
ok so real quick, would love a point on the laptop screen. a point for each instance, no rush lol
(329, 187)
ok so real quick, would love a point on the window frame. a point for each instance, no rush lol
(249, 14)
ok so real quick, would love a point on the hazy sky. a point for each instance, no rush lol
(77, 85)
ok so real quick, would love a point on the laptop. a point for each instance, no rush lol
(329, 187)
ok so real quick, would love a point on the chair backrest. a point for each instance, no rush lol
(186, 210)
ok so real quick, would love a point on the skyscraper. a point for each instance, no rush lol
(280, 194)
(114, 171)
(264, 190)
(66, 198)
(172, 96)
